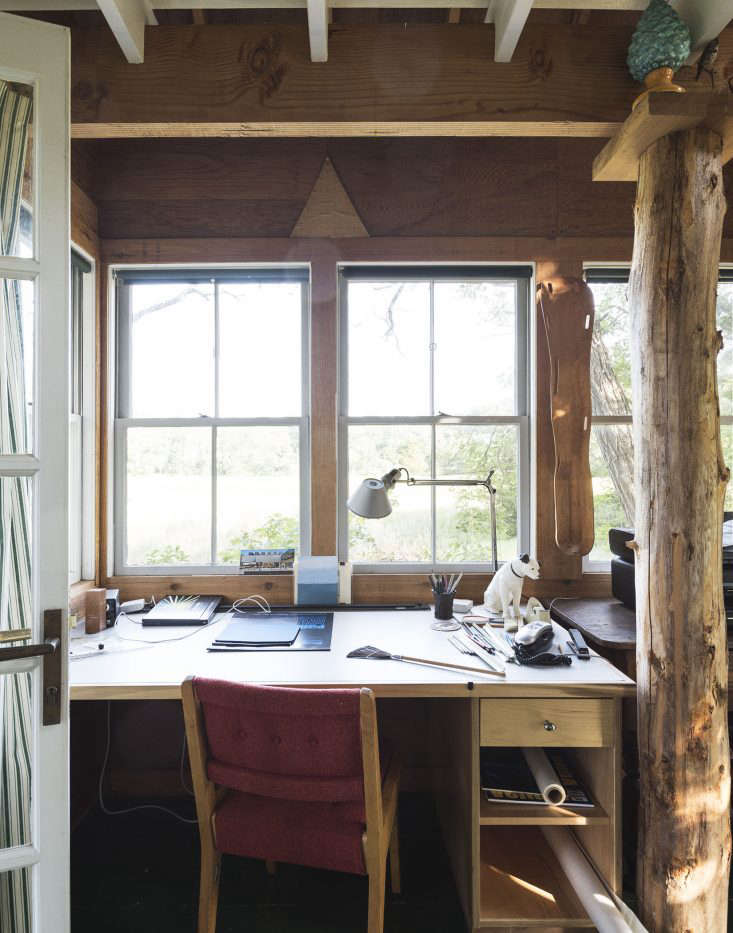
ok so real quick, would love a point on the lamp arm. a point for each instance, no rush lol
(389, 480)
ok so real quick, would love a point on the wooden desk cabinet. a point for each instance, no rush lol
(507, 875)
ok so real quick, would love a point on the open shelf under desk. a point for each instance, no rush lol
(520, 814)
(522, 883)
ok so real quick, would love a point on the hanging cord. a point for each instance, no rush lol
(144, 806)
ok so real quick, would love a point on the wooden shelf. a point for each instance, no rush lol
(657, 115)
(519, 814)
(522, 883)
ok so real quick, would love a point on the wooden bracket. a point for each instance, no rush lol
(567, 311)
(658, 114)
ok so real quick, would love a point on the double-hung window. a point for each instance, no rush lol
(81, 421)
(211, 438)
(434, 378)
(611, 445)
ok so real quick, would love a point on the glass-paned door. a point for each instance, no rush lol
(34, 390)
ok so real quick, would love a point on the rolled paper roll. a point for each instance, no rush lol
(599, 903)
(545, 775)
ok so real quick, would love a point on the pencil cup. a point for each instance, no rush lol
(444, 606)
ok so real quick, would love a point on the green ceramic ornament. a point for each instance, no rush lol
(660, 40)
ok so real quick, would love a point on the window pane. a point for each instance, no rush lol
(76, 378)
(17, 313)
(260, 349)
(610, 366)
(168, 496)
(612, 469)
(258, 489)
(405, 534)
(16, 170)
(389, 348)
(16, 703)
(171, 350)
(725, 357)
(16, 899)
(463, 514)
(76, 460)
(475, 337)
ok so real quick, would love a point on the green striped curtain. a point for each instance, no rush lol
(15, 566)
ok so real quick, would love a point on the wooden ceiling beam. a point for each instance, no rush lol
(127, 19)
(56, 6)
(318, 29)
(381, 80)
(509, 18)
(705, 19)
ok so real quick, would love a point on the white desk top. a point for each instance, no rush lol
(130, 670)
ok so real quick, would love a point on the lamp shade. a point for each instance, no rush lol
(370, 500)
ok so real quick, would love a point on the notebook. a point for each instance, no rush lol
(271, 630)
(314, 635)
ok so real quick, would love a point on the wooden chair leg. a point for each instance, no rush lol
(395, 878)
(209, 890)
(377, 882)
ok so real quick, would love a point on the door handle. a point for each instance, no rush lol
(48, 646)
(50, 650)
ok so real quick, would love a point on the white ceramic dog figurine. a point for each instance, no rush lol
(504, 593)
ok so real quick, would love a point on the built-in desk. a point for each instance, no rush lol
(505, 872)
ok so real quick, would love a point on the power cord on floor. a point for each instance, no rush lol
(145, 806)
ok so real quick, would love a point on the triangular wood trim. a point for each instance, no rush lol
(329, 211)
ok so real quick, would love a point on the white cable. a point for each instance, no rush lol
(144, 806)
(162, 641)
(143, 643)
(259, 601)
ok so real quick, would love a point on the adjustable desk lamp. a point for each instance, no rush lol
(371, 501)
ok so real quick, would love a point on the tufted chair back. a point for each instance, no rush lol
(283, 742)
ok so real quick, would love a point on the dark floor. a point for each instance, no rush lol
(140, 873)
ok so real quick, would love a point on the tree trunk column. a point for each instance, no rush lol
(680, 479)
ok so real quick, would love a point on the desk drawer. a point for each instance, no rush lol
(544, 721)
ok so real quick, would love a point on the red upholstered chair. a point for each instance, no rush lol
(290, 775)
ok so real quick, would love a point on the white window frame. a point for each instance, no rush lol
(523, 275)
(86, 422)
(604, 566)
(121, 423)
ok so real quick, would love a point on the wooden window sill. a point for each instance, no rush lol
(365, 587)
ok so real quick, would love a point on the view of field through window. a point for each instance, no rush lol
(611, 448)
(212, 355)
(420, 351)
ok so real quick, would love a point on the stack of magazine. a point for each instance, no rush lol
(506, 777)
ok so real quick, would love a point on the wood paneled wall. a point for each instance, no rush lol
(434, 200)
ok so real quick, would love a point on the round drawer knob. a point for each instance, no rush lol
(549, 726)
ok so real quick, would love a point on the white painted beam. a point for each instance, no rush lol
(705, 19)
(127, 20)
(29, 6)
(318, 29)
(508, 17)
